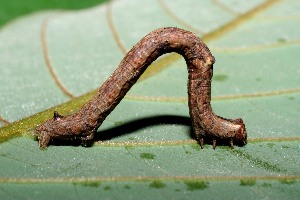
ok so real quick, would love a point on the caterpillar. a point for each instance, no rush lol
(206, 125)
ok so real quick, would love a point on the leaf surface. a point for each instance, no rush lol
(55, 60)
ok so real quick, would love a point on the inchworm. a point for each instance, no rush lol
(206, 125)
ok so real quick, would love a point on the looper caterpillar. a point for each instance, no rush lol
(206, 125)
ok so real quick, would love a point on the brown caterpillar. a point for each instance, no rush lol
(206, 125)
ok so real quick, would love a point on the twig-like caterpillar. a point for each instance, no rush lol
(207, 126)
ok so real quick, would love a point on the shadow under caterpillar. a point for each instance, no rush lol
(206, 125)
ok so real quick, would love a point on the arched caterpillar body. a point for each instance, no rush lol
(206, 125)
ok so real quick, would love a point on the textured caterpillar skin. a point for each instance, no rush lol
(206, 125)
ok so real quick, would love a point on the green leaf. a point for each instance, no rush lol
(55, 61)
